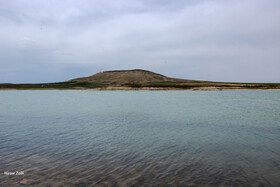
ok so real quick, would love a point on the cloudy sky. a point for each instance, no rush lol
(217, 40)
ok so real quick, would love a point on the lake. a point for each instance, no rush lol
(140, 138)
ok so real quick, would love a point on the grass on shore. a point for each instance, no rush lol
(94, 85)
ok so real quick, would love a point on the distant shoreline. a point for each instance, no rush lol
(136, 79)
(146, 89)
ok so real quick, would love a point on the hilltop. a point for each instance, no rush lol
(138, 79)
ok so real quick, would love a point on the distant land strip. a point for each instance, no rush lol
(136, 79)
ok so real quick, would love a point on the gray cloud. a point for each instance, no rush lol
(220, 40)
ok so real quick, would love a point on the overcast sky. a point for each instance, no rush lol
(217, 40)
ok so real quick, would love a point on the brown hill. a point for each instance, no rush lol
(120, 77)
(137, 79)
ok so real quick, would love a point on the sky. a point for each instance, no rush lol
(215, 40)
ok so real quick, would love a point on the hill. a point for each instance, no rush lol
(135, 76)
(138, 79)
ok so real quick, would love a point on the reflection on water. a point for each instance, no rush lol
(140, 138)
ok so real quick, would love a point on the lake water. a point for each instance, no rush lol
(140, 138)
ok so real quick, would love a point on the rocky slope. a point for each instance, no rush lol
(136, 76)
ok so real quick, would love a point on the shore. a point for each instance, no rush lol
(122, 88)
(72, 85)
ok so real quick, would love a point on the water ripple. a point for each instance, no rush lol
(171, 138)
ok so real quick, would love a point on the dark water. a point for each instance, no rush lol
(140, 138)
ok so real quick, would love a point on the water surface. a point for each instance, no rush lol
(140, 138)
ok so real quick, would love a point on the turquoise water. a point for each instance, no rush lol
(140, 138)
